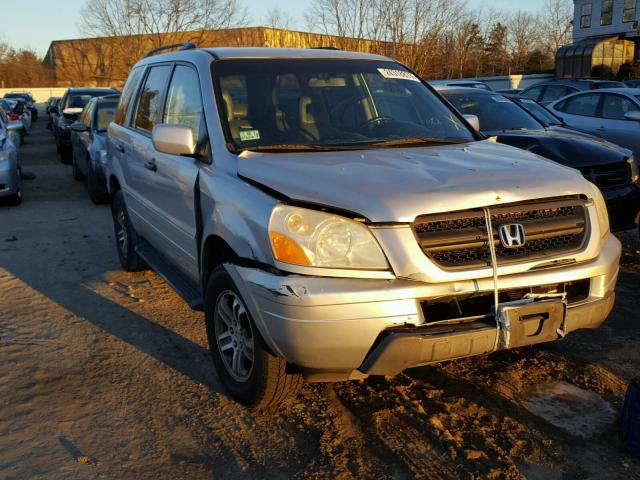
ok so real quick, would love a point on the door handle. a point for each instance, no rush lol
(151, 165)
(119, 148)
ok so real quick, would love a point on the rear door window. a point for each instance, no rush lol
(150, 100)
(615, 107)
(554, 92)
(128, 92)
(584, 105)
(533, 93)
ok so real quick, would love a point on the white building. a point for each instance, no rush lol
(606, 34)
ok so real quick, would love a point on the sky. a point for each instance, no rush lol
(36, 23)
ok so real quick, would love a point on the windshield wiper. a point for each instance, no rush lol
(401, 142)
(295, 147)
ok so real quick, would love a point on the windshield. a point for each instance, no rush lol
(17, 95)
(291, 104)
(496, 113)
(105, 115)
(542, 114)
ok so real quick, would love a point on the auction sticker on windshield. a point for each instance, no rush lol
(248, 135)
(397, 74)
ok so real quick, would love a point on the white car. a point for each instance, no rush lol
(611, 113)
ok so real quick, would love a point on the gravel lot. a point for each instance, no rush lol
(105, 374)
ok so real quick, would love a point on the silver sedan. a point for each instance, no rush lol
(10, 172)
(611, 113)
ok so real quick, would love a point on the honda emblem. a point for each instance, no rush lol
(512, 235)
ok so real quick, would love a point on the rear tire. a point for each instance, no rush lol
(77, 174)
(249, 372)
(93, 190)
(126, 237)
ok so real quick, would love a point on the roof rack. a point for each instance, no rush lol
(179, 46)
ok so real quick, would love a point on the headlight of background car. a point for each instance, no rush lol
(603, 215)
(316, 239)
(634, 169)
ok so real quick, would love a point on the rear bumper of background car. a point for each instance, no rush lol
(623, 205)
(9, 180)
(341, 328)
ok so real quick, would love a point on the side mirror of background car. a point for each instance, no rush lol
(173, 139)
(53, 109)
(79, 127)
(634, 115)
(473, 120)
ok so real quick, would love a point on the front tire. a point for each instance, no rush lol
(126, 236)
(16, 198)
(248, 371)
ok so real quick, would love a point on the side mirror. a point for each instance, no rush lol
(634, 116)
(79, 127)
(173, 139)
(473, 120)
(53, 109)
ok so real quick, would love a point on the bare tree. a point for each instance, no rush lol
(135, 26)
(522, 38)
(277, 18)
(556, 20)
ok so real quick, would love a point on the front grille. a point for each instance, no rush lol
(459, 240)
(608, 176)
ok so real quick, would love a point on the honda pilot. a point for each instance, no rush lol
(336, 219)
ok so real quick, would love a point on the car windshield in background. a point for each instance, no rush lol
(496, 113)
(23, 96)
(542, 114)
(80, 100)
(105, 115)
(328, 104)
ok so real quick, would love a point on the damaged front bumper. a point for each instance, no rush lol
(341, 328)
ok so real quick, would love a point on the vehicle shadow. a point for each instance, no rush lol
(153, 339)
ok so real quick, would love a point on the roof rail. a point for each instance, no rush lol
(324, 48)
(179, 46)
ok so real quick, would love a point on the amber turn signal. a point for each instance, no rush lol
(287, 250)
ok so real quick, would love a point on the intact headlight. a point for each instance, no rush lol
(311, 238)
(634, 169)
(603, 215)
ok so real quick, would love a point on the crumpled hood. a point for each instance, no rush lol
(396, 185)
(572, 149)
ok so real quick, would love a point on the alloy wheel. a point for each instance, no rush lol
(234, 335)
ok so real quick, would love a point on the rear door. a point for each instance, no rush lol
(172, 191)
(139, 152)
(613, 124)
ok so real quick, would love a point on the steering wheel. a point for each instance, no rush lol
(375, 122)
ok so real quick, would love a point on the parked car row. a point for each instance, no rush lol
(335, 217)
(610, 167)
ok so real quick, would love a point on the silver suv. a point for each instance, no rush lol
(335, 218)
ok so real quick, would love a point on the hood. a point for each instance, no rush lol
(571, 149)
(396, 185)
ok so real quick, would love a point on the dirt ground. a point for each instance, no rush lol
(105, 374)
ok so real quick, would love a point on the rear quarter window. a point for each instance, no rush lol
(128, 92)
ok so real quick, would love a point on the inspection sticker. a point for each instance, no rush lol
(398, 74)
(248, 135)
